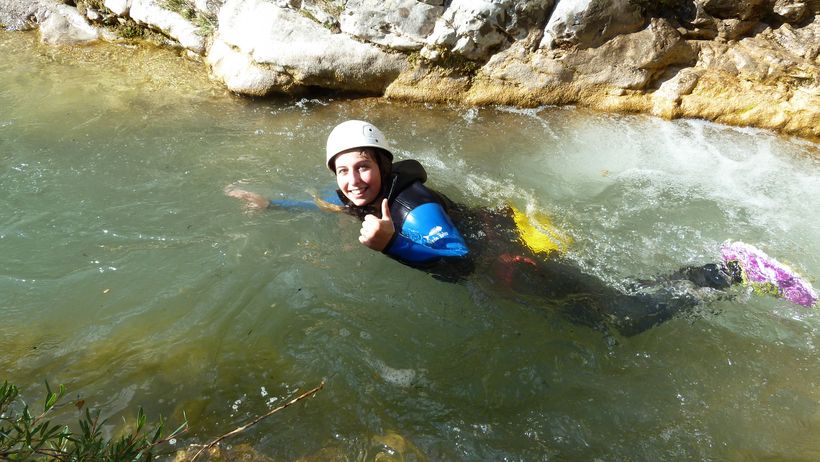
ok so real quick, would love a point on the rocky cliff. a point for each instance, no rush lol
(741, 62)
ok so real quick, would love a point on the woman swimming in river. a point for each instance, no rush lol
(406, 220)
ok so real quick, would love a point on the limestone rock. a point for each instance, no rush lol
(614, 76)
(733, 19)
(666, 100)
(803, 42)
(722, 98)
(702, 26)
(64, 25)
(261, 48)
(325, 12)
(475, 29)
(23, 15)
(398, 24)
(590, 23)
(734, 9)
(151, 13)
(747, 62)
(118, 7)
(208, 7)
(735, 29)
(633, 61)
(241, 74)
(427, 83)
(792, 11)
(778, 55)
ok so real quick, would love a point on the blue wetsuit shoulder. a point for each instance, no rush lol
(424, 231)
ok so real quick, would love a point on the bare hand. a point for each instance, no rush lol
(376, 232)
(254, 200)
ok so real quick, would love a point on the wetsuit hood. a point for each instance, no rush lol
(405, 173)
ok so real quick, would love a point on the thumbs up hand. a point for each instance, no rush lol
(376, 232)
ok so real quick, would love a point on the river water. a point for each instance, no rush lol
(130, 277)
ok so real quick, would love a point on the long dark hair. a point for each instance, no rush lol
(384, 160)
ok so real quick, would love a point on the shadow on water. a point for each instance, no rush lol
(128, 275)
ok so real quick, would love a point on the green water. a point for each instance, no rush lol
(129, 276)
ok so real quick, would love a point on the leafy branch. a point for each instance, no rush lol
(24, 436)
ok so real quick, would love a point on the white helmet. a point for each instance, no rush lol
(355, 134)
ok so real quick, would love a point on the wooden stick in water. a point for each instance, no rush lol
(304, 395)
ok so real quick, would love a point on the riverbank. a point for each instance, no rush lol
(750, 63)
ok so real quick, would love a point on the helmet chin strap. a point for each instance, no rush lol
(390, 191)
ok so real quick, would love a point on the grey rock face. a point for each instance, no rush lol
(398, 24)
(740, 61)
(791, 11)
(22, 15)
(475, 29)
(631, 62)
(803, 42)
(590, 23)
(261, 48)
(634, 61)
(118, 7)
(734, 9)
(172, 23)
(209, 7)
(325, 12)
(64, 25)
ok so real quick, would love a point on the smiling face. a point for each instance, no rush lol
(358, 175)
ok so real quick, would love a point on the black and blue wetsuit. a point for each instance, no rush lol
(426, 237)
(424, 232)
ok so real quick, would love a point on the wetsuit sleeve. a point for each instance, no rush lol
(327, 196)
(427, 234)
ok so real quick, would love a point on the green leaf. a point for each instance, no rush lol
(51, 400)
(140, 419)
(157, 434)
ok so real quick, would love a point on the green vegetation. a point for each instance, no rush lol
(452, 63)
(187, 10)
(414, 59)
(334, 8)
(308, 15)
(26, 437)
(98, 5)
(131, 30)
(206, 25)
(183, 7)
